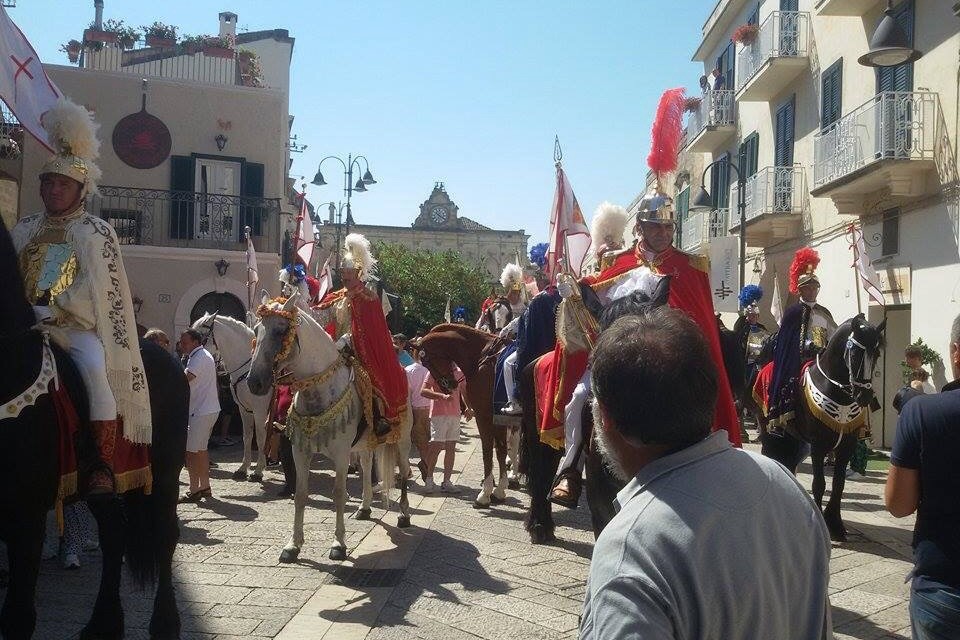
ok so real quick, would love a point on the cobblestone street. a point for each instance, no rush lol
(457, 573)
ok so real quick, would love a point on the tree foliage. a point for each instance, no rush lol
(424, 279)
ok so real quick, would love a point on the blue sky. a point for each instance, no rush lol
(470, 93)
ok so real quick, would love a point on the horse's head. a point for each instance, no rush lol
(205, 325)
(275, 338)
(860, 354)
(434, 356)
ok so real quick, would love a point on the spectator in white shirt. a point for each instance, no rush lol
(201, 372)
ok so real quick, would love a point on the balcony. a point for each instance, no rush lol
(778, 55)
(188, 219)
(845, 7)
(712, 125)
(895, 146)
(775, 202)
(196, 67)
(699, 228)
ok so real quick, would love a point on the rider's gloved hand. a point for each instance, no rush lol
(43, 313)
(565, 289)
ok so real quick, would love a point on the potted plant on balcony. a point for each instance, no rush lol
(72, 49)
(160, 35)
(746, 34)
(95, 37)
(692, 104)
(218, 47)
(251, 72)
(126, 36)
(192, 44)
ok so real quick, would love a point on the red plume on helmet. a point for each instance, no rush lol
(666, 133)
(805, 262)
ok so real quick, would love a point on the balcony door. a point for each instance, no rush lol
(783, 156)
(896, 112)
(789, 28)
(216, 215)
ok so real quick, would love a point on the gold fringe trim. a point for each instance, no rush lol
(137, 479)
(831, 422)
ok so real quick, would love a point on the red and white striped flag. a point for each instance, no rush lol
(867, 275)
(24, 85)
(305, 229)
(568, 231)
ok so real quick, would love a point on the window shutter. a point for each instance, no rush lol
(899, 78)
(181, 204)
(783, 142)
(749, 151)
(251, 185)
(831, 106)
(789, 5)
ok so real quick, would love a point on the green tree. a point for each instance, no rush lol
(424, 279)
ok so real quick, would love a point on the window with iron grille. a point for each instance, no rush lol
(126, 222)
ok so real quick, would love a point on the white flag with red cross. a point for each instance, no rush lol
(24, 85)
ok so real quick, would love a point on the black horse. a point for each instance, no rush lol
(142, 529)
(842, 373)
(541, 461)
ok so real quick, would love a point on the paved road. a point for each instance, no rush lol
(458, 573)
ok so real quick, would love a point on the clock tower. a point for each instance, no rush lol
(438, 211)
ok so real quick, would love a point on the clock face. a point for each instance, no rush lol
(439, 215)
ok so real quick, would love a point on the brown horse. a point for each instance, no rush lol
(473, 351)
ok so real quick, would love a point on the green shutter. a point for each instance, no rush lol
(251, 185)
(899, 78)
(181, 204)
(831, 105)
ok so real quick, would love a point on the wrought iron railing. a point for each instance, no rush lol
(700, 227)
(717, 109)
(783, 34)
(159, 218)
(891, 125)
(772, 191)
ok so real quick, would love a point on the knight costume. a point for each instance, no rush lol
(505, 315)
(74, 276)
(804, 332)
(752, 334)
(354, 316)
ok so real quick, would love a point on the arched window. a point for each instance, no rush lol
(224, 304)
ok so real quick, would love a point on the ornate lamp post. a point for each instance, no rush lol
(703, 201)
(348, 185)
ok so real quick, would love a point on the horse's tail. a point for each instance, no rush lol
(141, 539)
(387, 457)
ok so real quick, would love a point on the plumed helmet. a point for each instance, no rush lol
(749, 297)
(357, 255)
(607, 227)
(72, 133)
(656, 207)
(803, 269)
(512, 278)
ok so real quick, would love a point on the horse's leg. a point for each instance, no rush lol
(500, 445)
(241, 472)
(107, 619)
(819, 485)
(260, 427)
(486, 444)
(831, 515)
(536, 460)
(403, 464)
(18, 617)
(165, 621)
(339, 549)
(513, 455)
(301, 460)
(366, 466)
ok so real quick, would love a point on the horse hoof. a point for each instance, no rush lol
(288, 556)
(514, 484)
(363, 514)
(480, 505)
(256, 477)
(338, 553)
(495, 499)
(540, 535)
(239, 475)
(403, 522)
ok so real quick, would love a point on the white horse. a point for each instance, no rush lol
(325, 415)
(230, 339)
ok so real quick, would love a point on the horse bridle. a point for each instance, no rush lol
(209, 336)
(855, 382)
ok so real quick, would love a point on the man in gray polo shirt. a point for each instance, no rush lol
(710, 542)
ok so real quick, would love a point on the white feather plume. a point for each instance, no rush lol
(358, 247)
(609, 222)
(512, 274)
(72, 130)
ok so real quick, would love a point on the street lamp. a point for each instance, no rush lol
(348, 185)
(703, 201)
(336, 219)
(889, 46)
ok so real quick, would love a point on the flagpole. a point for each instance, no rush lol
(856, 262)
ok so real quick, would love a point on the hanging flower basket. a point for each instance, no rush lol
(692, 104)
(746, 34)
(72, 49)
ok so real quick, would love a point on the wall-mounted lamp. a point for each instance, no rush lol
(221, 141)
(222, 266)
(137, 304)
(756, 266)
